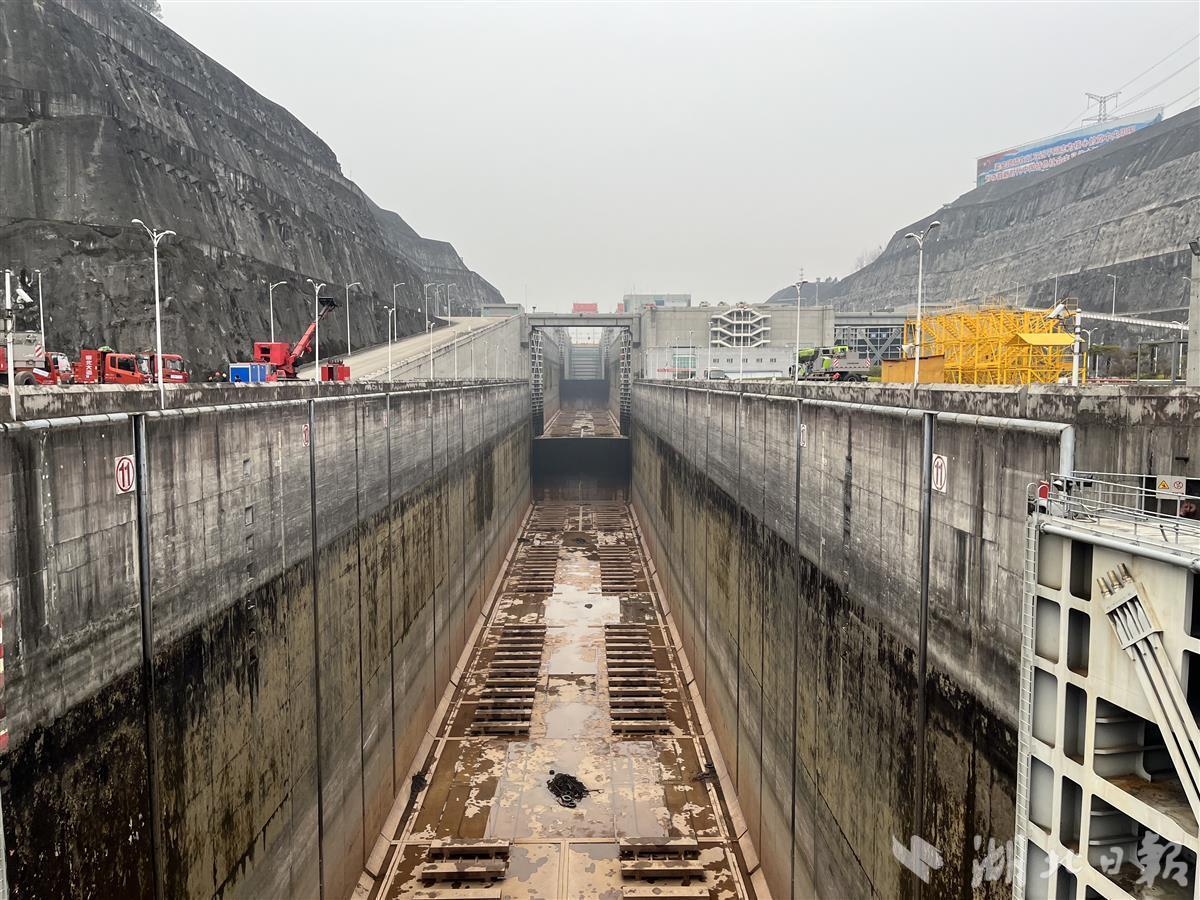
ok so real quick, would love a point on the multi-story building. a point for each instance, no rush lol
(758, 340)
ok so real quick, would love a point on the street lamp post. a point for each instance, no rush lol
(920, 239)
(796, 349)
(348, 286)
(426, 292)
(9, 323)
(429, 328)
(317, 288)
(1193, 341)
(271, 303)
(1114, 300)
(41, 312)
(392, 328)
(155, 237)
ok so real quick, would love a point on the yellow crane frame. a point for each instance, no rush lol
(997, 345)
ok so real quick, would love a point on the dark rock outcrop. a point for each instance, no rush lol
(1127, 209)
(106, 115)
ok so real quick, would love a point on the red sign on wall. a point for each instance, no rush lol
(123, 474)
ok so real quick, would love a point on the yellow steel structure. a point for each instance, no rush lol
(997, 345)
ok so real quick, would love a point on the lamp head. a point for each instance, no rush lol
(1195, 245)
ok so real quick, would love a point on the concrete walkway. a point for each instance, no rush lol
(409, 354)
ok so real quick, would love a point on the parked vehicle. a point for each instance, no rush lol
(174, 371)
(105, 366)
(281, 358)
(837, 363)
(33, 364)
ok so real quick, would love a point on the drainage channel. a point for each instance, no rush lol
(574, 673)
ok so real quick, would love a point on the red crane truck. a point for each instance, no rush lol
(33, 365)
(283, 357)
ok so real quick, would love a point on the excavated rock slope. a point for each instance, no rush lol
(106, 115)
(1127, 209)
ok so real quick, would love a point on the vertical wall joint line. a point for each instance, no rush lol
(360, 424)
(142, 495)
(928, 424)
(391, 585)
(316, 544)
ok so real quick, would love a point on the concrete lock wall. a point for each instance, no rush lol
(278, 735)
(787, 539)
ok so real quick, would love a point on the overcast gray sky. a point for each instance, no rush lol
(575, 151)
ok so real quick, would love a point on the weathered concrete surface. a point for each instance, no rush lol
(1126, 209)
(471, 349)
(417, 496)
(106, 115)
(644, 785)
(56, 402)
(793, 572)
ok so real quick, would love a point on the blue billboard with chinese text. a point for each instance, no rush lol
(1047, 153)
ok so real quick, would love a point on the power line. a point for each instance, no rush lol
(1181, 97)
(1075, 118)
(1159, 63)
(1159, 83)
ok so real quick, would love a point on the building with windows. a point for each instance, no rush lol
(875, 335)
(739, 326)
(755, 340)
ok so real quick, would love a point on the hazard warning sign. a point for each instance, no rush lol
(1170, 487)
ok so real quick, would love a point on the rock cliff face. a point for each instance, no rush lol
(106, 115)
(1127, 209)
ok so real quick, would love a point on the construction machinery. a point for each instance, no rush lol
(836, 363)
(998, 344)
(280, 358)
(32, 364)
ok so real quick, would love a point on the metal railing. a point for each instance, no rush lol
(1152, 513)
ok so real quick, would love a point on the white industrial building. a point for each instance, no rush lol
(751, 340)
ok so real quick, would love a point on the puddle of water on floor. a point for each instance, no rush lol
(568, 606)
(572, 720)
(572, 659)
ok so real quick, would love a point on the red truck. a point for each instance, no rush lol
(105, 366)
(33, 364)
(173, 368)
